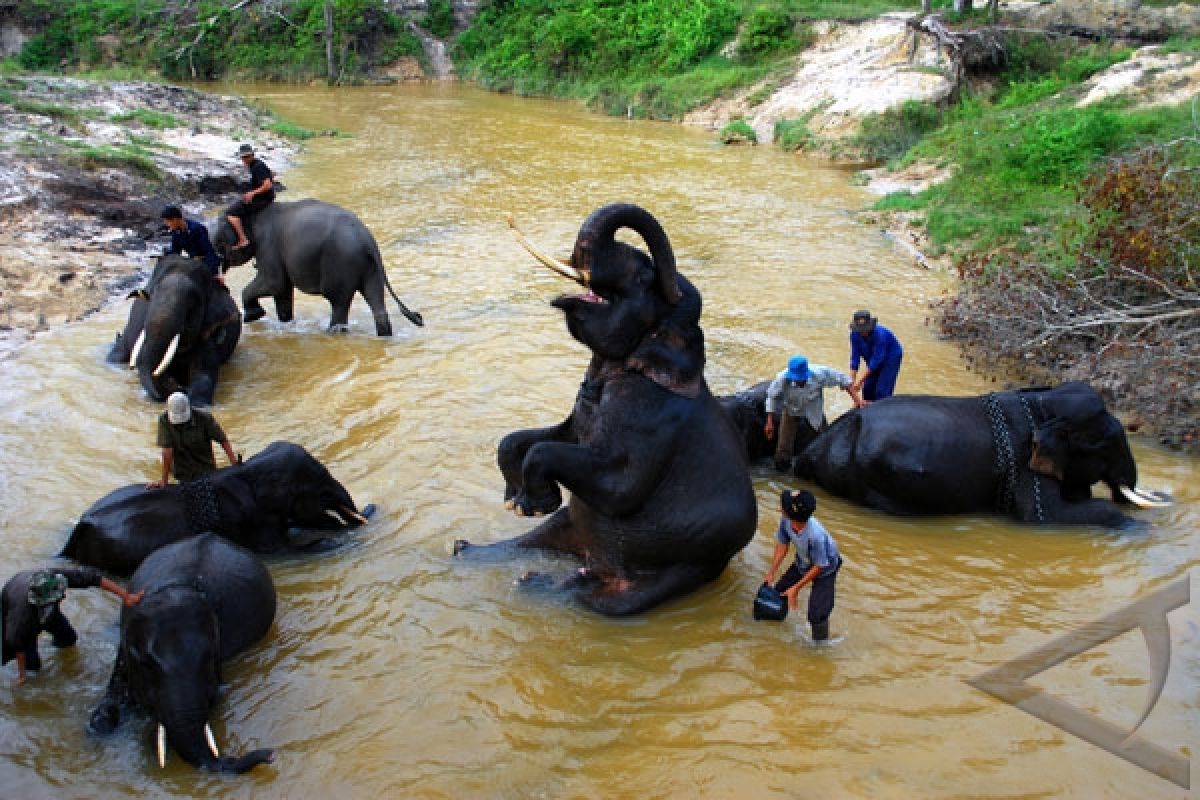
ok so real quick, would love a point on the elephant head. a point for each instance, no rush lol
(205, 600)
(288, 482)
(1079, 443)
(636, 311)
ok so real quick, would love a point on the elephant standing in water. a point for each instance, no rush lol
(253, 504)
(660, 490)
(206, 600)
(182, 327)
(1032, 454)
(317, 248)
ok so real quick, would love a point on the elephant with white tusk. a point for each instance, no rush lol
(205, 601)
(1032, 454)
(182, 327)
(256, 504)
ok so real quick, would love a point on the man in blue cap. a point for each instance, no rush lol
(796, 405)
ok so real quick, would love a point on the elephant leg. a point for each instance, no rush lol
(285, 305)
(107, 713)
(556, 533)
(510, 455)
(618, 596)
(339, 303)
(372, 292)
(251, 307)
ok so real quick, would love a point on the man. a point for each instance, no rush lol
(880, 353)
(817, 560)
(185, 436)
(190, 236)
(797, 393)
(255, 199)
(30, 605)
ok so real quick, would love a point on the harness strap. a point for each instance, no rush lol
(200, 500)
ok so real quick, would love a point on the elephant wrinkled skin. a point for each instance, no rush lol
(182, 327)
(253, 504)
(660, 490)
(318, 248)
(206, 600)
(1033, 454)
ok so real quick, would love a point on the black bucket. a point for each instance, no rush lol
(770, 604)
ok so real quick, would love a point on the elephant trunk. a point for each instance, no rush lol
(598, 232)
(193, 740)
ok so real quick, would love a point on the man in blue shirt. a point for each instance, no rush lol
(881, 353)
(190, 236)
(817, 560)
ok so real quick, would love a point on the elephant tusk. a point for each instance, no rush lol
(137, 348)
(162, 746)
(354, 515)
(340, 519)
(561, 267)
(212, 741)
(166, 361)
(1143, 499)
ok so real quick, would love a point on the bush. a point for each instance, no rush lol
(766, 31)
(738, 132)
(889, 135)
(439, 18)
(793, 134)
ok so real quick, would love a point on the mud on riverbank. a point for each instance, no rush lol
(85, 169)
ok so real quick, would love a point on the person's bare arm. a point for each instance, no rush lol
(168, 455)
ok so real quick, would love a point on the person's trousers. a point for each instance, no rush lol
(821, 596)
(882, 383)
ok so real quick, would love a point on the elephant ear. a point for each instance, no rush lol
(672, 353)
(1076, 422)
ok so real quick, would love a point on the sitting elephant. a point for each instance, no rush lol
(206, 600)
(317, 248)
(253, 504)
(182, 327)
(1033, 454)
(660, 490)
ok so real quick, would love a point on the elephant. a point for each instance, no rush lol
(182, 327)
(253, 503)
(318, 248)
(661, 498)
(206, 600)
(1032, 454)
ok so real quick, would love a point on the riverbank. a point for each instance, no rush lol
(85, 169)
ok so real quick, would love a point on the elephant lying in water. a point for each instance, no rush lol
(1033, 454)
(206, 600)
(317, 248)
(182, 327)
(660, 491)
(253, 504)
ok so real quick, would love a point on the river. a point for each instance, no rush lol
(394, 671)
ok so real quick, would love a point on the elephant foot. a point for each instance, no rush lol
(527, 505)
(534, 580)
(104, 720)
(252, 314)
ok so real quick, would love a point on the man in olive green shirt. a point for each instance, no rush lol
(185, 436)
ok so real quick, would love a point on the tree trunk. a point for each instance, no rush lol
(330, 69)
(961, 6)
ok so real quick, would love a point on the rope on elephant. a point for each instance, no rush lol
(1037, 481)
(1006, 461)
(201, 501)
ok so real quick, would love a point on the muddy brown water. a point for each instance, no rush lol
(393, 671)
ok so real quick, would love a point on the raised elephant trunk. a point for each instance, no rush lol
(598, 231)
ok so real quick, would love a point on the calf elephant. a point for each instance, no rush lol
(660, 490)
(317, 248)
(253, 504)
(182, 327)
(1032, 454)
(206, 600)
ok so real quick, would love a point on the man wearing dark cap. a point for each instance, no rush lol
(255, 199)
(190, 236)
(796, 405)
(29, 605)
(880, 353)
(817, 560)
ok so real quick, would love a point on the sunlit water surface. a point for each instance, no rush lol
(394, 671)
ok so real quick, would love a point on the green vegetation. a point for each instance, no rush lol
(204, 39)
(738, 132)
(159, 120)
(793, 134)
(888, 136)
(439, 18)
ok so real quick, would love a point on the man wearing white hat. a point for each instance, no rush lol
(185, 436)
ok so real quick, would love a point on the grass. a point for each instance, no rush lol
(127, 156)
(738, 132)
(158, 120)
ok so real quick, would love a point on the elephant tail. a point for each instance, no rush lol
(413, 316)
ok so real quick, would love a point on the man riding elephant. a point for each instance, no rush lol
(660, 489)
(259, 194)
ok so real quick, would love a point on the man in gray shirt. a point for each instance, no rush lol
(796, 405)
(817, 560)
